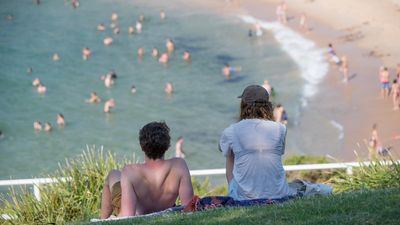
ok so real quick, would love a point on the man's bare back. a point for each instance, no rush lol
(150, 186)
(154, 186)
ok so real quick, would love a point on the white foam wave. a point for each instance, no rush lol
(304, 52)
(339, 127)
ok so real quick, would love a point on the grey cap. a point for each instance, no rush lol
(254, 93)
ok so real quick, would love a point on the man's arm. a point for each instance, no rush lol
(229, 165)
(128, 195)
(185, 184)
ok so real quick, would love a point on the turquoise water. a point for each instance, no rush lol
(202, 105)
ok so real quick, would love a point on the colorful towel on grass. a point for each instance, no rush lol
(211, 202)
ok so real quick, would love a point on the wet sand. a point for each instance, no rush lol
(364, 31)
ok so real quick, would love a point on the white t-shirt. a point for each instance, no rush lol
(258, 146)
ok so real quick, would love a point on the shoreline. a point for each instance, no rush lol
(350, 108)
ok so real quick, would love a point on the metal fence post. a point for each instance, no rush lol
(36, 190)
(349, 170)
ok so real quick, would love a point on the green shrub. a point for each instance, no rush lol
(65, 201)
(381, 173)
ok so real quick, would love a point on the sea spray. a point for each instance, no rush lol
(304, 52)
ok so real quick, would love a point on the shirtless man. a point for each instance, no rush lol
(227, 70)
(48, 127)
(139, 27)
(187, 57)
(41, 89)
(162, 14)
(131, 30)
(164, 58)
(37, 125)
(101, 27)
(179, 153)
(384, 79)
(169, 89)
(395, 94)
(60, 120)
(86, 53)
(108, 80)
(345, 69)
(108, 41)
(154, 52)
(280, 114)
(303, 22)
(169, 44)
(267, 87)
(151, 186)
(94, 98)
(114, 17)
(140, 52)
(36, 82)
(108, 105)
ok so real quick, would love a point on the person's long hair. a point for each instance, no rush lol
(256, 110)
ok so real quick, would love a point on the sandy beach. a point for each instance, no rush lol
(366, 32)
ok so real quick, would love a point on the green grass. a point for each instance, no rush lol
(364, 207)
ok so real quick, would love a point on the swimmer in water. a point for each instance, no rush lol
(56, 57)
(108, 81)
(227, 70)
(162, 14)
(163, 58)
(116, 30)
(267, 87)
(141, 18)
(169, 89)
(154, 52)
(86, 53)
(108, 41)
(179, 153)
(133, 89)
(108, 105)
(258, 29)
(41, 89)
(75, 4)
(60, 120)
(36, 82)
(139, 27)
(94, 98)
(169, 44)
(101, 27)
(48, 127)
(140, 52)
(131, 30)
(187, 57)
(114, 17)
(37, 125)
(29, 71)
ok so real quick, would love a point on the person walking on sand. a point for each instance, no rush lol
(179, 153)
(303, 22)
(395, 94)
(345, 68)
(151, 186)
(384, 78)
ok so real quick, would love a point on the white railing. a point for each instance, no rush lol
(348, 166)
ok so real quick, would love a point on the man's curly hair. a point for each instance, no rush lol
(154, 139)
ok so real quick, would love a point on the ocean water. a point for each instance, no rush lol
(202, 105)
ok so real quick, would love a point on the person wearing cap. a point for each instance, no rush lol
(253, 148)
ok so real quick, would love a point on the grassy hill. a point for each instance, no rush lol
(364, 207)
